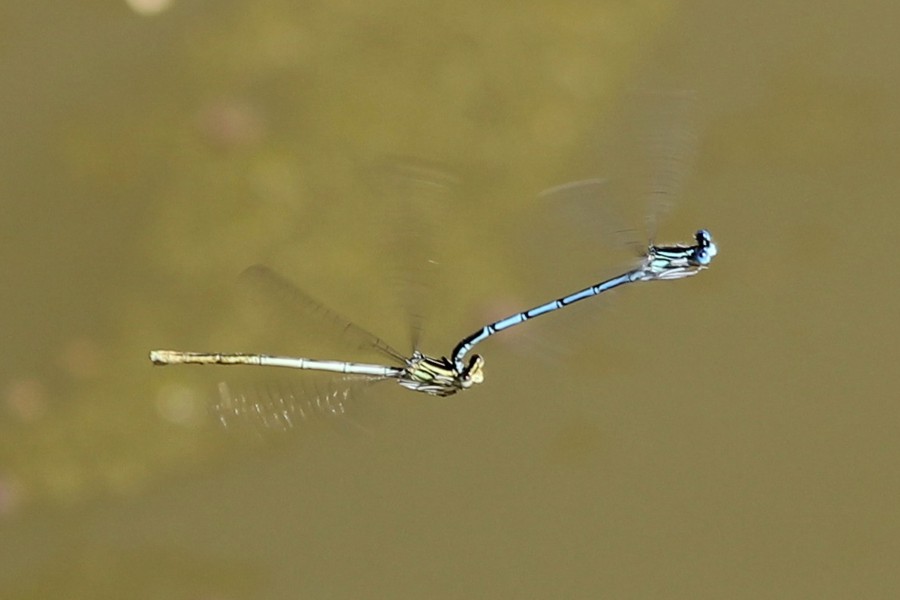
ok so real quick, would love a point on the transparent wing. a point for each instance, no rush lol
(416, 194)
(634, 169)
(288, 405)
(583, 210)
(286, 299)
(665, 147)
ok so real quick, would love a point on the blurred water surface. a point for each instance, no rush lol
(731, 435)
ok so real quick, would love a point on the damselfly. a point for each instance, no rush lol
(660, 262)
(445, 376)
(419, 372)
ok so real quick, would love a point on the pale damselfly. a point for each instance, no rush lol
(446, 376)
(419, 372)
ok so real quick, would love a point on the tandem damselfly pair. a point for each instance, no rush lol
(447, 375)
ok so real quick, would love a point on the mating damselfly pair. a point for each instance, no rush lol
(447, 375)
(660, 145)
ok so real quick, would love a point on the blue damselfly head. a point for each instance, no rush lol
(706, 247)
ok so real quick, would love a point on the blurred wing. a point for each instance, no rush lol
(635, 167)
(287, 299)
(666, 145)
(281, 405)
(417, 194)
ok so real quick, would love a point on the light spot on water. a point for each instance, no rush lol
(26, 399)
(179, 404)
(148, 8)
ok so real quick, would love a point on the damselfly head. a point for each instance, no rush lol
(706, 247)
(474, 372)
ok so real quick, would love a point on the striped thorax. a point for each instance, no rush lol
(440, 376)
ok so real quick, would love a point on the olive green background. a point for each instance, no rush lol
(733, 435)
